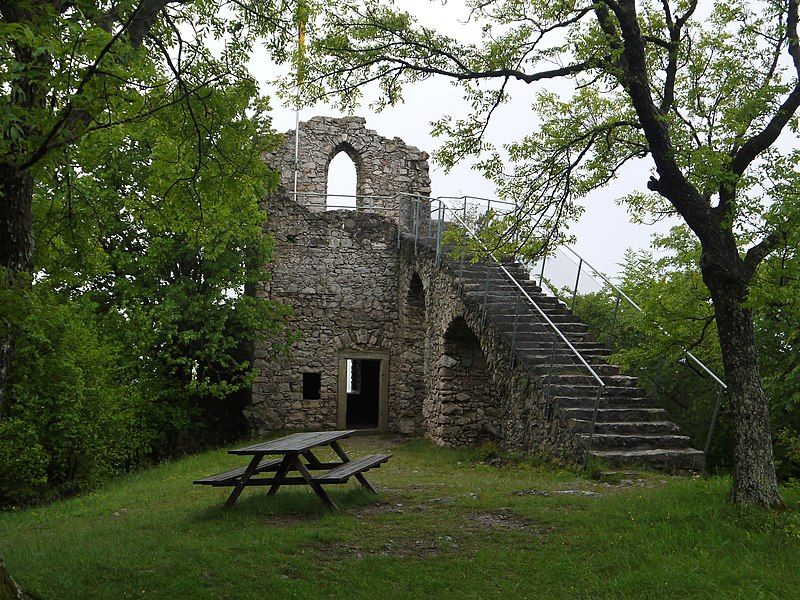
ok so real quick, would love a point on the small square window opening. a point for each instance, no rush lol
(312, 385)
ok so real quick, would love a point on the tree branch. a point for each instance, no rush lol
(757, 144)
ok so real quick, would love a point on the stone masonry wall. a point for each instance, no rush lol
(513, 402)
(353, 291)
(385, 168)
(339, 272)
(338, 269)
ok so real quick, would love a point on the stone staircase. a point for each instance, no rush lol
(630, 429)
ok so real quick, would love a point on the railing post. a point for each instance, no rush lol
(485, 297)
(514, 333)
(711, 427)
(613, 324)
(594, 422)
(577, 279)
(440, 218)
(541, 273)
(549, 405)
(416, 225)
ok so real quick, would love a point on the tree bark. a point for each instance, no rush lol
(754, 479)
(9, 590)
(16, 249)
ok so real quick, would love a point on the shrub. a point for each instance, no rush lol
(70, 407)
(23, 462)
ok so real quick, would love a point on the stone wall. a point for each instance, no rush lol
(465, 405)
(502, 402)
(354, 291)
(338, 270)
(386, 169)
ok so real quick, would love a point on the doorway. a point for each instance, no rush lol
(363, 384)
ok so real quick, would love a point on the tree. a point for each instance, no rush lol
(704, 92)
(72, 68)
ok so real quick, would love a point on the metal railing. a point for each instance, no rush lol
(461, 208)
(436, 222)
(584, 267)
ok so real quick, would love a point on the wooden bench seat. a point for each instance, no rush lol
(230, 477)
(343, 472)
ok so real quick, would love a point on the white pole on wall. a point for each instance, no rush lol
(296, 148)
(301, 16)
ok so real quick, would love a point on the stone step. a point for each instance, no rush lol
(547, 345)
(669, 459)
(637, 441)
(587, 402)
(541, 358)
(503, 287)
(528, 313)
(468, 269)
(536, 324)
(544, 338)
(614, 415)
(575, 369)
(625, 427)
(590, 391)
(502, 295)
(612, 380)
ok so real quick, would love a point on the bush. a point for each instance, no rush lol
(70, 410)
(23, 462)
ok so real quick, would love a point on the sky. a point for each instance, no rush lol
(603, 233)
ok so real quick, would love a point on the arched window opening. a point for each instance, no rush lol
(342, 182)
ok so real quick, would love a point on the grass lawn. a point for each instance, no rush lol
(442, 526)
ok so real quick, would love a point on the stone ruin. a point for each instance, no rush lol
(389, 340)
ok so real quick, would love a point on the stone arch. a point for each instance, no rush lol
(464, 395)
(346, 149)
(415, 364)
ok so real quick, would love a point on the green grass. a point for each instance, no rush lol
(441, 527)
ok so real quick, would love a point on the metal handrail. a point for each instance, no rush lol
(555, 328)
(630, 301)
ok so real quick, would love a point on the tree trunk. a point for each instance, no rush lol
(754, 480)
(9, 590)
(16, 248)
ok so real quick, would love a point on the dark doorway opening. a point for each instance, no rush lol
(363, 393)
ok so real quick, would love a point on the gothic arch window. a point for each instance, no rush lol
(342, 179)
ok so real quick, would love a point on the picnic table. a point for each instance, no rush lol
(295, 453)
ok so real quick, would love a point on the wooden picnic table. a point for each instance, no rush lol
(293, 450)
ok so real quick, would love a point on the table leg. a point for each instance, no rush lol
(312, 460)
(323, 495)
(239, 487)
(280, 473)
(359, 476)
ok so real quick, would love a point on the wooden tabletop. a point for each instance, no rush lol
(295, 443)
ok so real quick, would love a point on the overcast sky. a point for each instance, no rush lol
(603, 233)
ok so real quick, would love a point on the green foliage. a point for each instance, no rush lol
(674, 300)
(145, 136)
(167, 243)
(23, 461)
(75, 418)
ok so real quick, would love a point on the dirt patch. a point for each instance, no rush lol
(382, 508)
(460, 534)
(545, 494)
(498, 521)
(287, 520)
(401, 547)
